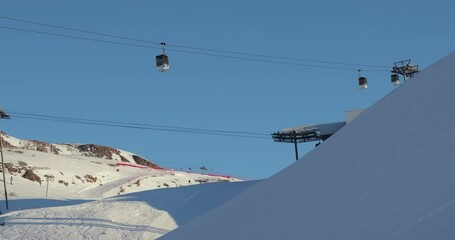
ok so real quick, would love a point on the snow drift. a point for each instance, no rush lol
(140, 215)
(387, 175)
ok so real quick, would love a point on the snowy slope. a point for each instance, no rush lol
(144, 215)
(88, 177)
(76, 150)
(78, 207)
(387, 175)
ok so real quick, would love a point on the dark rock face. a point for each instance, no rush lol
(144, 162)
(93, 150)
(31, 176)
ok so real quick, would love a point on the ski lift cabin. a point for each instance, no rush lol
(363, 83)
(395, 79)
(162, 61)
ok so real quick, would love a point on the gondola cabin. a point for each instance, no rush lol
(395, 79)
(363, 83)
(162, 63)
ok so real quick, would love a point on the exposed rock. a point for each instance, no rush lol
(88, 150)
(90, 178)
(31, 176)
(144, 162)
(5, 143)
(93, 150)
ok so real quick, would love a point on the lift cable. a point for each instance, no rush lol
(190, 52)
(137, 124)
(76, 37)
(140, 126)
(189, 47)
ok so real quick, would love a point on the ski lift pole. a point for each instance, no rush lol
(3, 115)
(47, 186)
(3, 171)
(49, 177)
(294, 135)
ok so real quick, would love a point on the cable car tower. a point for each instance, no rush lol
(404, 68)
(162, 61)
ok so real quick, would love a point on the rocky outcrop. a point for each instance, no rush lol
(144, 162)
(31, 176)
(87, 150)
(93, 150)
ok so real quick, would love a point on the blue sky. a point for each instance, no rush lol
(84, 79)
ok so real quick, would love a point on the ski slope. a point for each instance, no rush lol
(119, 204)
(387, 175)
(140, 215)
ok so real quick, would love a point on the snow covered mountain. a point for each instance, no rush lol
(387, 175)
(67, 192)
(87, 171)
(87, 150)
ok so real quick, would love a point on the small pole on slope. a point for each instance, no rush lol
(49, 177)
(47, 186)
(3, 171)
(3, 115)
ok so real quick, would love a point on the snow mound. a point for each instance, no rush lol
(142, 215)
(387, 175)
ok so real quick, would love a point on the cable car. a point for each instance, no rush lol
(162, 61)
(395, 79)
(363, 82)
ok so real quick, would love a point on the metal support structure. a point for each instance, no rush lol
(47, 186)
(49, 177)
(405, 69)
(3, 115)
(162, 61)
(163, 45)
(296, 137)
(3, 171)
(296, 149)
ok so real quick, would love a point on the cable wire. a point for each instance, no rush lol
(202, 49)
(184, 51)
(137, 124)
(77, 30)
(76, 37)
(140, 126)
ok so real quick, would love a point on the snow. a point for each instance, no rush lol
(387, 175)
(144, 215)
(63, 149)
(107, 219)
(131, 203)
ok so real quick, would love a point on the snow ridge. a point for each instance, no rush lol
(386, 175)
(86, 150)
